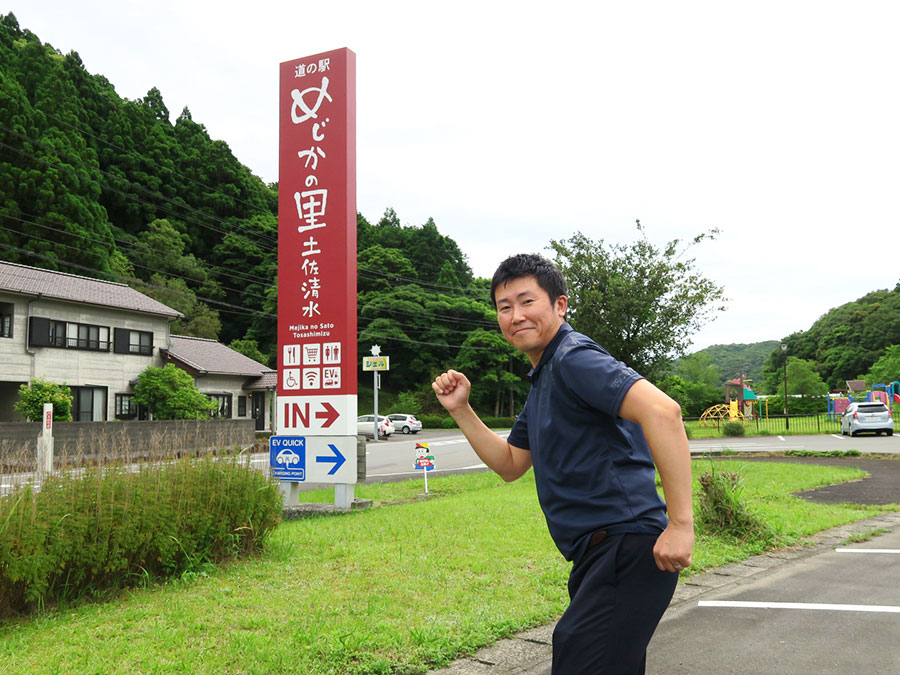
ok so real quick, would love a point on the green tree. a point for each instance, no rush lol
(496, 370)
(32, 398)
(169, 393)
(638, 301)
(250, 349)
(886, 369)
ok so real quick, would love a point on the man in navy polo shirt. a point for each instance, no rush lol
(593, 429)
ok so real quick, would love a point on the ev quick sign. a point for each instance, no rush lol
(313, 459)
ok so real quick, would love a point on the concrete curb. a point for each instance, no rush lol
(530, 652)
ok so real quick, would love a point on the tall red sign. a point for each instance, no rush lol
(317, 245)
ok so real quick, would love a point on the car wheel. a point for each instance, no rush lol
(405, 430)
(852, 434)
(889, 432)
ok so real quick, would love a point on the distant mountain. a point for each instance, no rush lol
(730, 360)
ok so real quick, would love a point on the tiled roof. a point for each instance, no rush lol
(213, 357)
(268, 380)
(26, 280)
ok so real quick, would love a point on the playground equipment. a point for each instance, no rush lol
(879, 392)
(712, 416)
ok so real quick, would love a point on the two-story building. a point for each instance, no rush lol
(97, 336)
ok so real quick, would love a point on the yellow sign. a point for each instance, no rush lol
(376, 363)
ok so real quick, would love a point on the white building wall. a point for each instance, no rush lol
(79, 367)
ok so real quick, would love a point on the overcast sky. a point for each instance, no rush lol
(513, 123)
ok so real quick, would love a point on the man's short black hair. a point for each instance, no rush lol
(514, 267)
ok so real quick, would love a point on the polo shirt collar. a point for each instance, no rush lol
(550, 350)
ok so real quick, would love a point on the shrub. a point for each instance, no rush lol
(733, 429)
(448, 423)
(431, 421)
(106, 528)
(169, 393)
(32, 398)
(722, 510)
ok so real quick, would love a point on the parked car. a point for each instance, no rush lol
(874, 416)
(365, 424)
(405, 424)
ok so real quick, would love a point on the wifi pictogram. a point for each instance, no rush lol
(311, 378)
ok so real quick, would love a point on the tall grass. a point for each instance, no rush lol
(89, 530)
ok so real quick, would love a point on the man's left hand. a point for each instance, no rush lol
(673, 548)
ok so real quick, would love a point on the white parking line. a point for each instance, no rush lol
(840, 438)
(781, 438)
(895, 551)
(889, 609)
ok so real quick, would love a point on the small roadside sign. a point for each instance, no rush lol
(376, 363)
(424, 461)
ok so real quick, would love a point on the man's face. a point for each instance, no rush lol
(527, 318)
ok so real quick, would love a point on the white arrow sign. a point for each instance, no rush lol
(316, 416)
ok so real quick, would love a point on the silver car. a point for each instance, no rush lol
(873, 416)
(406, 424)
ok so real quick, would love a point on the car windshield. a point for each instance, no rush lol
(872, 408)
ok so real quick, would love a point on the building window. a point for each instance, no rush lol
(126, 408)
(224, 403)
(6, 319)
(140, 342)
(88, 404)
(242, 406)
(79, 336)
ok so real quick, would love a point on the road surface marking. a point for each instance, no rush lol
(895, 551)
(781, 438)
(840, 438)
(801, 605)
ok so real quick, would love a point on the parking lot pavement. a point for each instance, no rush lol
(708, 640)
(834, 608)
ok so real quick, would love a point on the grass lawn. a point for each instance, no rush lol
(395, 589)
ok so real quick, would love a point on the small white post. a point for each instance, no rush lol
(45, 442)
(426, 480)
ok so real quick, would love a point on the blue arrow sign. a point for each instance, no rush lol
(338, 459)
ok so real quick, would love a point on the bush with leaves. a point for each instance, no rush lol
(169, 393)
(733, 429)
(32, 398)
(97, 530)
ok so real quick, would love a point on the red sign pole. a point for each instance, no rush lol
(317, 246)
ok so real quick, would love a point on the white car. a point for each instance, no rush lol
(365, 424)
(405, 424)
(869, 416)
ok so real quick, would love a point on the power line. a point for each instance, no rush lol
(213, 268)
(243, 311)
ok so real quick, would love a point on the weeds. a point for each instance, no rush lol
(822, 453)
(722, 510)
(865, 536)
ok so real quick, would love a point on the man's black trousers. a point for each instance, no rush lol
(618, 595)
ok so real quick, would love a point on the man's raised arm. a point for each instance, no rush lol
(452, 389)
